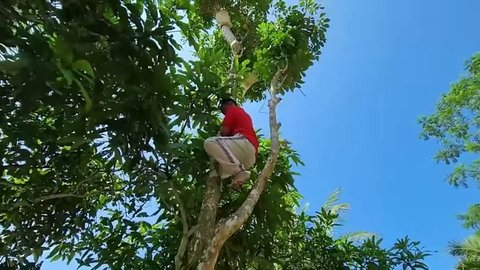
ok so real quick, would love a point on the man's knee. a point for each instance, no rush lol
(208, 144)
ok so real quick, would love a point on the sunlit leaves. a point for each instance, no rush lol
(456, 125)
(88, 95)
(308, 243)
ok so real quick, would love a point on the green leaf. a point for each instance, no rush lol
(63, 51)
(54, 251)
(67, 74)
(83, 65)
(37, 252)
(56, 257)
(83, 91)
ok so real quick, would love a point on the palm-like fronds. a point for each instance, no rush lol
(468, 251)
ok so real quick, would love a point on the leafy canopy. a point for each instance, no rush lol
(456, 125)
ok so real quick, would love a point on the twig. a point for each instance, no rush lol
(46, 198)
(192, 230)
(302, 93)
(139, 210)
(8, 184)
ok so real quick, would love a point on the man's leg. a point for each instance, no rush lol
(214, 168)
(234, 155)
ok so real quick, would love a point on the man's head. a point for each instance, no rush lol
(226, 103)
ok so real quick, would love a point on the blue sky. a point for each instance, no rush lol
(385, 64)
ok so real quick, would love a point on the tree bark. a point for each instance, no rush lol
(223, 20)
(206, 220)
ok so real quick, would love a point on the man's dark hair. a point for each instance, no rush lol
(227, 100)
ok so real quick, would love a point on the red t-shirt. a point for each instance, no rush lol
(238, 121)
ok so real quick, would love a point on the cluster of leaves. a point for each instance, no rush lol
(307, 242)
(295, 39)
(468, 251)
(456, 124)
(84, 91)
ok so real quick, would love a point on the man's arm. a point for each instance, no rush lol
(227, 124)
(224, 131)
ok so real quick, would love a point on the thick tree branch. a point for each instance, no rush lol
(211, 239)
(228, 226)
(206, 220)
(223, 20)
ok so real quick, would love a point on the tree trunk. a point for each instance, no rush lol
(206, 221)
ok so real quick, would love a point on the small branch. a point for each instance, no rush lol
(140, 209)
(186, 233)
(184, 125)
(181, 252)
(56, 196)
(206, 220)
(182, 130)
(302, 93)
(223, 20)
(192, 230)
(8, 184)
(46, 198)
(181, 207)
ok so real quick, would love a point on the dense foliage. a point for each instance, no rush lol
(456, 124)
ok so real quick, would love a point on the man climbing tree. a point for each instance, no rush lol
(235, 149)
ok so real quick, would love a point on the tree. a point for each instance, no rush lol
(468, 251)
(102, 117)
(102, 127)
(456, 125)
(310, 244)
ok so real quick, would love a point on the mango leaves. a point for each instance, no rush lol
(84, 90)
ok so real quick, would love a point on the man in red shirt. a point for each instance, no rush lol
(236, 148)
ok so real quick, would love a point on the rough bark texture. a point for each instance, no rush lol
(206, 220)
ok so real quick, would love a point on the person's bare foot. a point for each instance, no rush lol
(239, 179)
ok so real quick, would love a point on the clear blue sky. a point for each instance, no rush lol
(385, 64)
